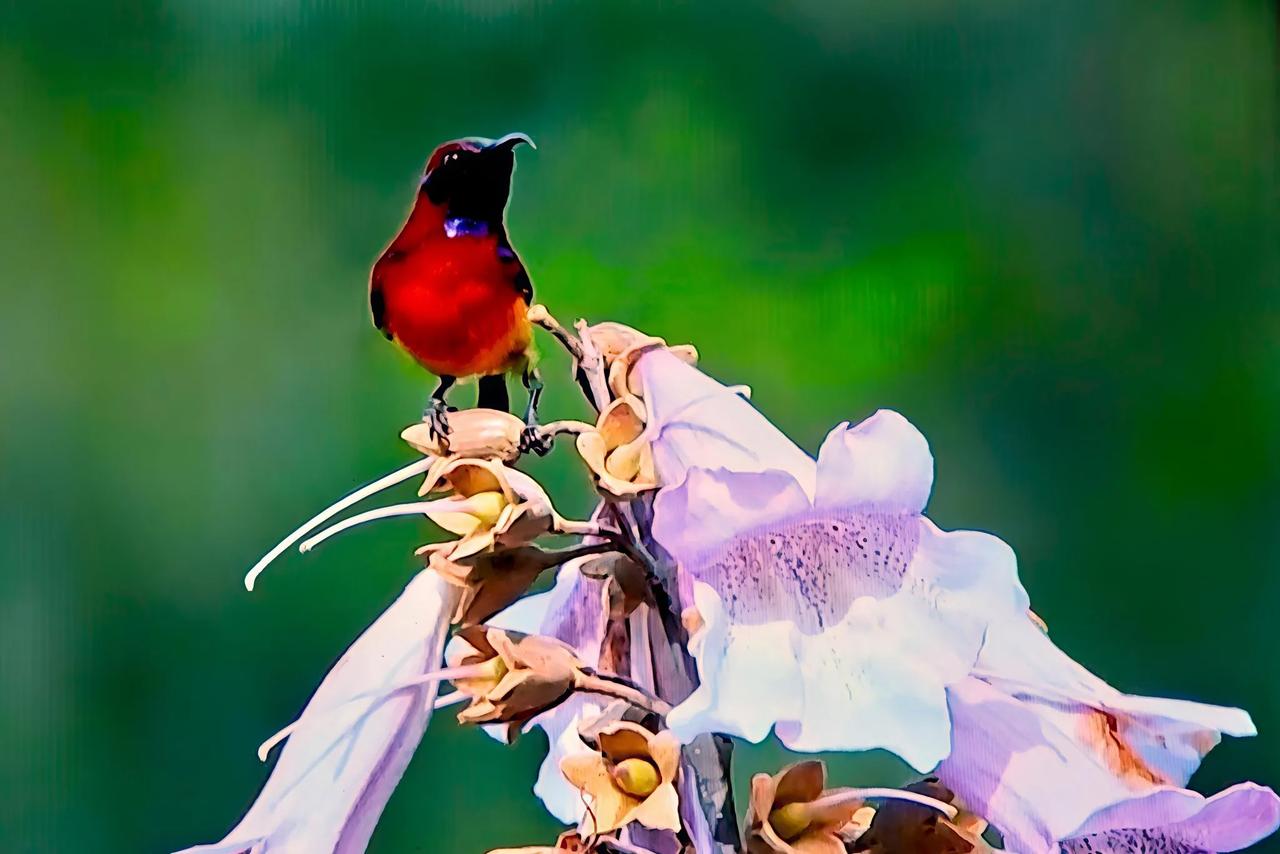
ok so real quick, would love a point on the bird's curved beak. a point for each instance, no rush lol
(511, 140)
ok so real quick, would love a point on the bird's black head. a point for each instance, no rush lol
(471, 177)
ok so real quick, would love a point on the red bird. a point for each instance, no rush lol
(450, 289)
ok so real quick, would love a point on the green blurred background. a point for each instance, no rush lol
(1045, 232)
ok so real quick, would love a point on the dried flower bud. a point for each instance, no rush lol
(493, 505)
(511, 678)
(632, 778)
(483, 434)
(492, 580)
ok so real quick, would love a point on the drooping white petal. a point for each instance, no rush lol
(338, 769)
(877, 680)
(571, 611)
(696, 421)
(748, 675)
(882, 461)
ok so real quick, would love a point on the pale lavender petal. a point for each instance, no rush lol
(1178, 821)
(1032, 781)
(355, 736)
(1043, 772)
(844, 630)
(576, 612)
(696, 421)
(1232, 820)
(883, 462)
(709, 508)
(1169, 736)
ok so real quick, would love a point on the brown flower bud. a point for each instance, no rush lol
(514, 677)
(904, 826)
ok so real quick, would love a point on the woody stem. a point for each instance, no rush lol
(620, 690)
(539, 315)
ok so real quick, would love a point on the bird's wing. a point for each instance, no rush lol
(524, 285)
(378, 304)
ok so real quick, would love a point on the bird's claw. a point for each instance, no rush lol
(533, 440)
(437, 418)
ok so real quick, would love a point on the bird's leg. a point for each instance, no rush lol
(492, 393)
(437, 412)
(532, 439)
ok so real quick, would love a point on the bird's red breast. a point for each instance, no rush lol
(457, 304)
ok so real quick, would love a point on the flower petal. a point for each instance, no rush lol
(845, 628)
(1180, 820)
(338, 769)
(571, 612)
(696, 421)
(1029, 779)
(748, 675)
(1044, 772)
(884, 461)
(877, 680)
(1168, 737)
(710, 508)
(561, 726)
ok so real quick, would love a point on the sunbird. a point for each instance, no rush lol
(450, 289)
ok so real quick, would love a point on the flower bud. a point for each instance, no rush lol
(484, 434)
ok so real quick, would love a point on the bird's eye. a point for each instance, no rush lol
(449, 158)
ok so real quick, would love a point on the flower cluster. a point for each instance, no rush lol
(730, 585)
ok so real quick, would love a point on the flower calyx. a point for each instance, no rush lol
(789, 814)
(617, 451)
(900, 825)
(632, 778)
(508, 677)
(620, 346)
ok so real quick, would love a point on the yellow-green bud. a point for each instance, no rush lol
(624, 461)
(487, 507)
(495, 668)
(637, 777)
(791, 820)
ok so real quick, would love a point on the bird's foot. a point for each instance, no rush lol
(436, 415)
(533, 440)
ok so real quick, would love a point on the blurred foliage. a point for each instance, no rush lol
(1045, 232)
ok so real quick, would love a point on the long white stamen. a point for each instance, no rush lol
(414, 468)
(416, 508)
(447, 673)
(846, 795)
(450, 700)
